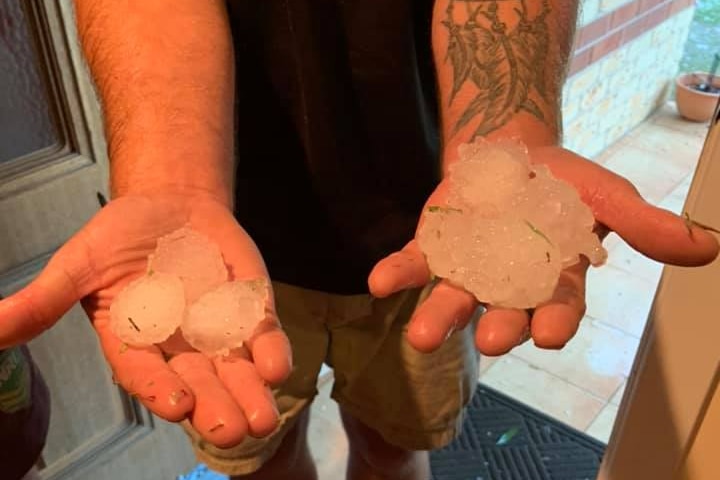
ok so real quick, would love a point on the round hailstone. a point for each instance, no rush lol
(192, 257)
(508, 228)
(225, 317)
(148, 310)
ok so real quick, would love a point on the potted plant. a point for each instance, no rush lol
(697, 93)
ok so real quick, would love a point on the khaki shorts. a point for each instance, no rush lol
(413, 400)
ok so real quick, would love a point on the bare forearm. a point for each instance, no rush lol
(501, 65)
(164, 72)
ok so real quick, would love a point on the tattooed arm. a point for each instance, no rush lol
(500, 67)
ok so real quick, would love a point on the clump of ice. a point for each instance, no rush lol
(192, 257)
(508, 227)
(226, 317)
(185, 296)
(148, 310)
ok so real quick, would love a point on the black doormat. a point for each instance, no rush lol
(503, 439)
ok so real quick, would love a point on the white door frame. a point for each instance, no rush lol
(677, 367)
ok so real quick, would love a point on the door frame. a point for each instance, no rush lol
(677, 368)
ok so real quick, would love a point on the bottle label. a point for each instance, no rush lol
(14, 381)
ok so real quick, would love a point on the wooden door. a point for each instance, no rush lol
(52, 164)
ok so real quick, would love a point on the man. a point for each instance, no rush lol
(340, 136)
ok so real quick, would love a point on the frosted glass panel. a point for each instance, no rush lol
(26, 119)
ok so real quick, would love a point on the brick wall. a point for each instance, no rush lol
(625, 58)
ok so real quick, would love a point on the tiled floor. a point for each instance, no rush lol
(582, 384)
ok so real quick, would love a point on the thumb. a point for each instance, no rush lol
(63, 282)
(654, 232)
(657, 233)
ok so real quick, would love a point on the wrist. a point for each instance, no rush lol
(523, 128)
(190, 193)
(201, 175)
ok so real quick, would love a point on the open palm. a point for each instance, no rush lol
(225, 399)
(617, 206)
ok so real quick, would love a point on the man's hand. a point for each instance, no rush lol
(617, 206)
(224, 399)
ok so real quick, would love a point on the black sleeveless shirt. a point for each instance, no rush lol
(337, 143)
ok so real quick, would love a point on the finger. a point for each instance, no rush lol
(216, 416)
(447, 308)
(246, 386)
(271, 352)
(500, 330)
(63, 282)
(270, 348)
(399, 271)
(554, 323)
(615, 202)
(144, 373)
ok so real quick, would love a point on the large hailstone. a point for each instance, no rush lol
(508, 228)
(226, 317)
(148, 310)
(185, 296)
(192, 257)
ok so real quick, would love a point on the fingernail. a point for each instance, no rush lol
(176, 396)
(551, 346)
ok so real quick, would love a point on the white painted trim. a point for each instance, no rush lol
(679, 356)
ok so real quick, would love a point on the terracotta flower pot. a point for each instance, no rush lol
(691, 103)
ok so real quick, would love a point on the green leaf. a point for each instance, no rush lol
(538, 232)
(134, 325)
(689, 223)
(439, 209)
(507, 436)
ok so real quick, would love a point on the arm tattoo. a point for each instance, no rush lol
(505, 65)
